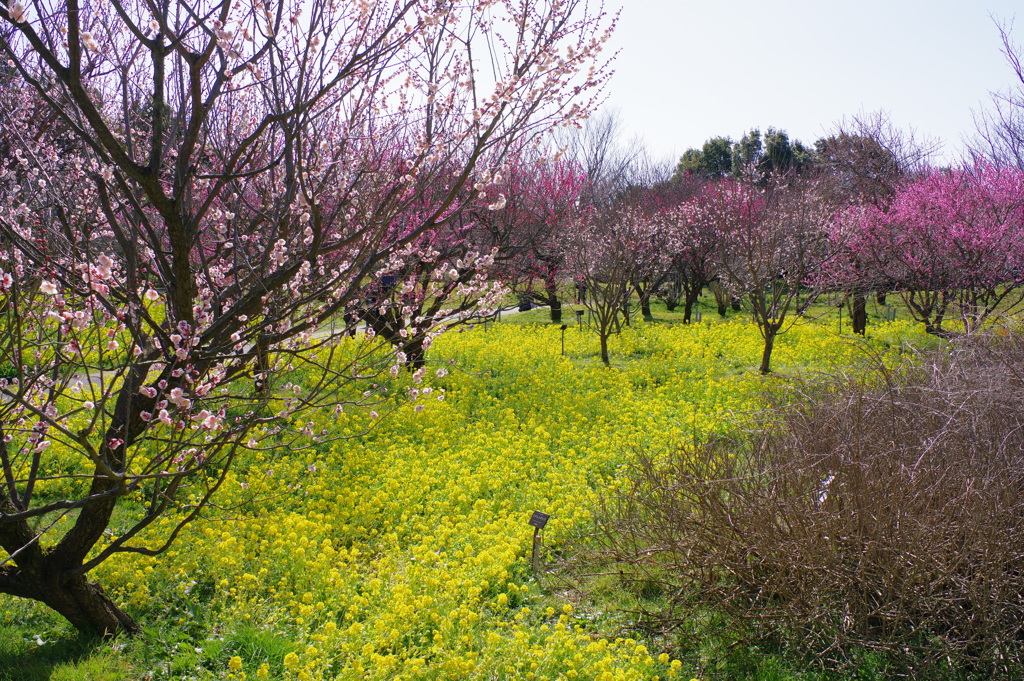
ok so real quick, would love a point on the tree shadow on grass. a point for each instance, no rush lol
(22, 659)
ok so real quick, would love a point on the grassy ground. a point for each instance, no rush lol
(822, 311)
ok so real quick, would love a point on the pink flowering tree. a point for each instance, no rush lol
(195, 195)
(649, 235)
(655, 239)
(606, 252)
(443, 278)
(952, 239)
(773, 242)
(540, 196)
(695, 241)
(864, 162)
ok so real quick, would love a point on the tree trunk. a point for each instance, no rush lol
(49, 576)
(859, 313)
(736, 307)
(551, 289)
(644, 294)
(351, 323)
(604, 350)
(556, 311)
(721, 297)
(387, 326)
(690, 301)
(769, 345)
(936, 327)
(37, 576)
(880, 297)
(88, 608)
(415, 355)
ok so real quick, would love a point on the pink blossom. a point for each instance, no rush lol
(16, 11)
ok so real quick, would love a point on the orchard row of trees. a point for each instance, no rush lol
(867, 215)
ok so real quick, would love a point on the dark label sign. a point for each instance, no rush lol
(539, 519)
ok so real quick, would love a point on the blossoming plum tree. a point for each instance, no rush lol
(773, 241)
(657, 246)
(953, 237)
(864, 161)
(541, 195)
(695, 242)
(607, 252)
(443, 279)
(214, 182)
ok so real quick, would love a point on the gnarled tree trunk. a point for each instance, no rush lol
(83, 603)
(51, 575)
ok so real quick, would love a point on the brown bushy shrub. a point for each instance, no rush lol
(880, 514)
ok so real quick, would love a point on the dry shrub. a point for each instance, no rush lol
(880, 514)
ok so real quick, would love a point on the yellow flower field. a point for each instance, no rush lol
(401, 550)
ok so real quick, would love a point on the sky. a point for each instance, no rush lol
(688, 70)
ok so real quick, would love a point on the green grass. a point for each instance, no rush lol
(63, 655)
(822, 311)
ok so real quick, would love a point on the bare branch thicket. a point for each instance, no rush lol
(861, 515)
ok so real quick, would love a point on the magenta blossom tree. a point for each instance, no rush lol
(212, 187)
(952, 238)
(539, 198)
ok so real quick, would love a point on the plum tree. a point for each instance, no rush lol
(213, 183)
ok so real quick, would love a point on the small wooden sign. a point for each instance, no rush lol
(539, 519)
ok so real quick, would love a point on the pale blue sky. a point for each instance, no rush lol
(692, 69)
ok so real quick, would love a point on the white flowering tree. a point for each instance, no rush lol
(195, 193)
